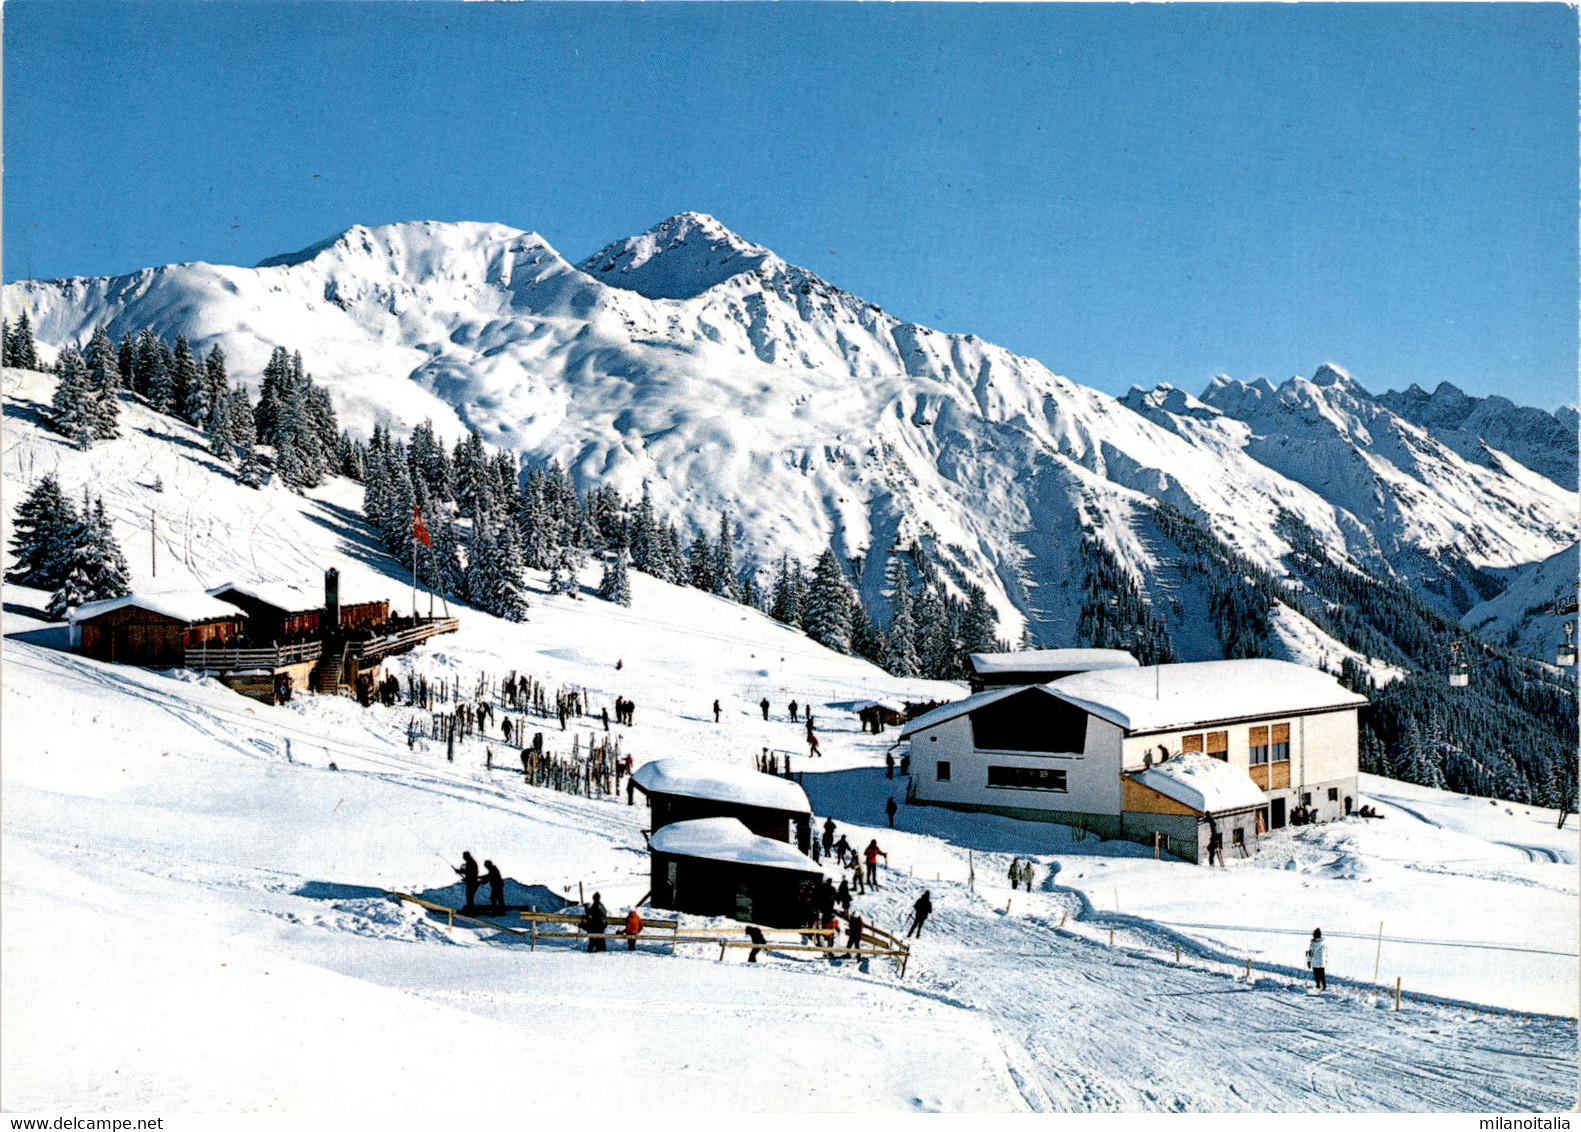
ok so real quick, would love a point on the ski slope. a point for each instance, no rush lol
(194, 919)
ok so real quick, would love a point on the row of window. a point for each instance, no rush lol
(1265, 744)
(1014, 777)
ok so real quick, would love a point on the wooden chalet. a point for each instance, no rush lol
(718, 867)
(265, 640)
(681, 790)
(154, 630)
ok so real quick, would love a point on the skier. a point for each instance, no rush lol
(889, 810)
(794, 707)
(633, 928)
(506, 726)
(1315, 958)
(764, 704)
(716, 711)
(828, 836)
(853, 935)
(491, 873)
(826, 899)
(842, 848)
(594, 921)
(919, 914)
(603, 711)
(468, 872)
(813, 749)
(873, 853)
(857, 884)
(1215, 846)
(842, 897)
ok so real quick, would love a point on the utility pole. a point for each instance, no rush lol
(153, 546)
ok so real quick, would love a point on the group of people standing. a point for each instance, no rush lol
(1020, 873)
(470, 879)
(623, 710)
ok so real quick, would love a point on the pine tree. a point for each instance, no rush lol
(616, 583)
(471, 474)
(866, 641)
(700, 572)
(161, 377)
(785, 603)
(723, 562)
(643, 536)
(147, 361)
(978, 624)
(900, 651)
(126, 358)
(74, 410)
(276, 382)
(20, 350)
(251, 472)
(42, 530)
(188, 395)
(95, 568)
(104, 371)
(829, 602)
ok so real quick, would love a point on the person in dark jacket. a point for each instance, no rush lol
(905, 765)
(491, 874)
(468, 872)
(716, 711)
(842, 897)
(794, 708)
(764, 704)
(889, 810)
(755, 934)
(889, 767)
(919, 914)
(853, 933)
(842, 848)
(826, 899)
(828, 836)
(594, 921)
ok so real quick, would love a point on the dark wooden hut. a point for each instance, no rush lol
(153, 630)
(687, 789)
(718, 867)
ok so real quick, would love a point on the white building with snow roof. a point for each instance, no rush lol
(1091, 750)
(1038, 666)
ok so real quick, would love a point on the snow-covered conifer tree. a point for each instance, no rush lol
(41, 535)
(188, 395)
(723, 561)
(615, 586)
(95, 568)
(74, 409)
(900, 651)
(829, 601)
(700, 565)
(20, 349)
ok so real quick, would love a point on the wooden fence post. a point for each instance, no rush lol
(1397, 992)
(451, 915)
(1111, 935)
(1177, 954)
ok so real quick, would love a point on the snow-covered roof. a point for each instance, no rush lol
(1051, 660)
(289, 597)
(1207, 785)
(1168, 696)
(726, 839)
(191, 606)
(721, 782)
(960, 707)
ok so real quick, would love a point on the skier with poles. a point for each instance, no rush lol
(919, 914)
(468, 872)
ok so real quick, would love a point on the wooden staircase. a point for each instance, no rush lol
(327, 673)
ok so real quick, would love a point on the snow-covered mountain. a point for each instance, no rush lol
(1523, 617)
(1481, 428)
(708, 368)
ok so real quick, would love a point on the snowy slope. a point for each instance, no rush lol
(1522, 616)
(706, 367)
(238, 874)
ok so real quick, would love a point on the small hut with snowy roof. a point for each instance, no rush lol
(681, 790)
(718, 867)
(1184, 800)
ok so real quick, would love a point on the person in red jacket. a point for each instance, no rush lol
(871, 854)
(633, 929)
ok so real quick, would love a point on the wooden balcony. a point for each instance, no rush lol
(387, 644)
(220, 659)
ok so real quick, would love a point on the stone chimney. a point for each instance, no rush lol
(332, 600)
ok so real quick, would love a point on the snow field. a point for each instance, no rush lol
(192, 920)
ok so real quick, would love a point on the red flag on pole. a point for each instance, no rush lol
(420, 532)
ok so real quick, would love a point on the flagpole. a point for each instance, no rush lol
(414, 575)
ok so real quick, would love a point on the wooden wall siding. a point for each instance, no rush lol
(211, 632)
(364, 613)
(670, 808)
(1281, 775)
(1139, 799)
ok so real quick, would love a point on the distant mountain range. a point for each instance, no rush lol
(706, 367)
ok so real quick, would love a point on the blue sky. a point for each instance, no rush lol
(1130, 193)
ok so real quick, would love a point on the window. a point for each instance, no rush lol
(1279, 733)
(1026, 778)
(1257, 746)
(1215, 743)
(1238, 836)
(1333, 793)
(941, 771)
(1030, 721)
(1306, 799)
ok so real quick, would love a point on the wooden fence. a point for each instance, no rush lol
(203, 659)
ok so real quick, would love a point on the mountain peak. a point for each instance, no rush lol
(420, 238)
(678, 258)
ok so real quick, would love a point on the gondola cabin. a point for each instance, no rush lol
(681, 790)
(153, 630)
(718, 867)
